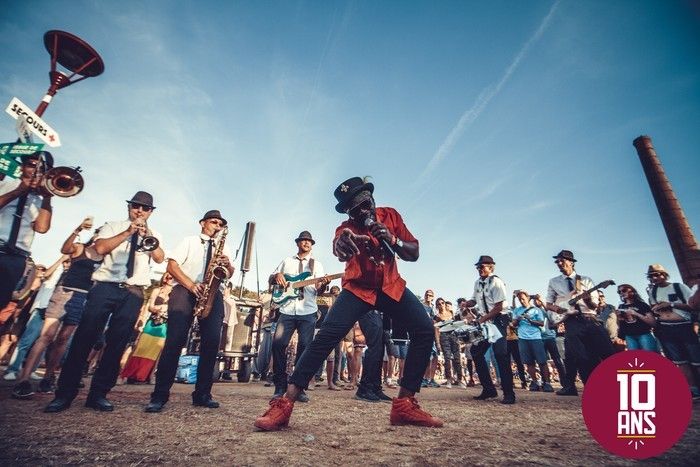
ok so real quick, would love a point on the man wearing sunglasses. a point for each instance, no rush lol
(489, 298)
(117, 296)
(23, 211)
(367, 242)
(586, 342)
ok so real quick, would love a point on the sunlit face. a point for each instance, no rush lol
(626, 294)
(485, 270)
(657, 278)
(304, 246)
(440, 304)
(428, 296)
(565, 266)
(211, 226)
(139, 211)
(524, 299)
(29, 167)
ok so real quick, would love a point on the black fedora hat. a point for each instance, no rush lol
(484, 259)
(213, 214)
(347, 190)
(565, 254)
(143, 198)
(45, 155)
(305, 235)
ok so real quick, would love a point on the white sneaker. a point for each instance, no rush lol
(10, 376)
(447, 385)
(463, 385)
(35, 376)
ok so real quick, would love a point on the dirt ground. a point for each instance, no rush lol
(332, 429)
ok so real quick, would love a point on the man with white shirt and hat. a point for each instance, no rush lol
(117, 296)
(188, 264)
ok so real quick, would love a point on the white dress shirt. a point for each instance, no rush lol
(559, 294)
(25, 236)
(113, 267)
(191, 255)
(493, 289)
(308, 305)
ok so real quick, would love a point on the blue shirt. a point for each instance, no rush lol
(526, 330)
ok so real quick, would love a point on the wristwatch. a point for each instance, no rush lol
(398, 243)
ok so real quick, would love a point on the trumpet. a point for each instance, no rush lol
(147, 242)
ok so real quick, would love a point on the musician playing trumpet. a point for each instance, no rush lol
(117, 296)
(23, 211)
(188, 264)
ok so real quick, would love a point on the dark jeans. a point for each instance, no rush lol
(500, 351)
(450, 351)
(348, 309)
(371, 326)
(11, 270)
(180, 318)
(262, 362)
(550, 346)
(587, 343)
(104, 299)
(304, 325)
(514, 353)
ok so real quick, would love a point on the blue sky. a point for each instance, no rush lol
(500, 128)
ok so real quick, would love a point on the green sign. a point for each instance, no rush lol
(10, 167)
(19, 149)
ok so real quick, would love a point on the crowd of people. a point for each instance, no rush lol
(95, 306)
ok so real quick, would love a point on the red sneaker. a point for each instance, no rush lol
(277, 416)
(406, 411)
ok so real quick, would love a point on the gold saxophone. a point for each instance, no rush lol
(213, 277)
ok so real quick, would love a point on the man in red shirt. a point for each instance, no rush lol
(367, 242)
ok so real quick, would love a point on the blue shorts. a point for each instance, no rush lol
(66, 305)
(531, 351)
(401, 349)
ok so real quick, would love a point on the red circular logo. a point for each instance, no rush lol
(637, 404)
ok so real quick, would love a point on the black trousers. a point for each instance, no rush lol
(514, 353)
(348, 309)
(500, 351)
(286, 325)
(586, 344)
(104, 299)
(11, 270)
(180, 318)
(371, 326)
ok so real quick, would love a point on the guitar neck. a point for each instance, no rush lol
(306, 282)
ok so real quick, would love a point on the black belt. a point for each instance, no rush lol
(122, 285)
(7, 250)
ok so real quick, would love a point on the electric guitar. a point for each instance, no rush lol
(572, 301)
(281, 295)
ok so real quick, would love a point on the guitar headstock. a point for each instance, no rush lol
(605, 284)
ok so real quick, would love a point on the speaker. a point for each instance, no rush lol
(248, 239)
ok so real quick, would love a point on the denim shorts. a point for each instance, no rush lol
(680, 343)
(531, 351)
(401, 349)
(66, 305)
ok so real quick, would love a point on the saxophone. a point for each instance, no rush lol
(213, 277)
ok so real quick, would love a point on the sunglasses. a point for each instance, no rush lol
(363, 206)
(30, 164)
(624, 291)
(481, 266)
(656, 274)
(142, 207)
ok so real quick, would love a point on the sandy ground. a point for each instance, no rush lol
(332, 429)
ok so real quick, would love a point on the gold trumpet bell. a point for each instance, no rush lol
(63, 181)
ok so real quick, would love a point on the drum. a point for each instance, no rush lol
(469, 334)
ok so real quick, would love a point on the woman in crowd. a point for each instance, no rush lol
(636, 320)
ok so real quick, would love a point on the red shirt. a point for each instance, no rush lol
(362, 276)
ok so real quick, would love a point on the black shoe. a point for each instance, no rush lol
(22, 390)
(206, 401)
(303, 397)
(99, 403)
(567, 392)
(154, 407)
(47, 385)
(383, 397)
(367, 396)
(226, 376)
(523, 385)
(486, 395)
(57, 405)
(508, 399)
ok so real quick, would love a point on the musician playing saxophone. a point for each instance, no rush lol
(188, 264)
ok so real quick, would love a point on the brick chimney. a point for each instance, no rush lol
(680, 236)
